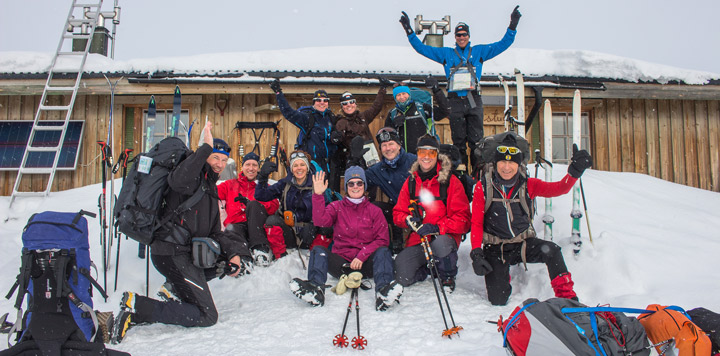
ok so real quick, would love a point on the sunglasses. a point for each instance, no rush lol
(358, 184)
(426, 152)
(323, 100)
(508, 149)
(343, 103)
(461, 35)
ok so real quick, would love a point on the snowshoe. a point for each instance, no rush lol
(308, 291)
(262, 256)
(388, 295)
(449, 284)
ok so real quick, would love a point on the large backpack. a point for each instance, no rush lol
(560, 326)
(671, 328)
(55, 275)
(420, 97)
(140, 200)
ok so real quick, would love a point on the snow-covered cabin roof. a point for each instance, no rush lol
(334, 63)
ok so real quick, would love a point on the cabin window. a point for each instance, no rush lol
(161, 127)
(562, 136)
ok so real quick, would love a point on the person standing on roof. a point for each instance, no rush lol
(412, 118)
(463, 68)
(315, 123)
(502, 233)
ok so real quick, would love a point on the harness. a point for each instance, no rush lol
(490, 239)
(467, 79)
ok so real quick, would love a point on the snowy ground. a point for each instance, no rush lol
(654, 242)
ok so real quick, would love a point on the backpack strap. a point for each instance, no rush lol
(186, 205)
(443, 190)
(470, 67)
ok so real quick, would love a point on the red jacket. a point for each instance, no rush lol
(229, 190)
(535, 188)
(453, 220)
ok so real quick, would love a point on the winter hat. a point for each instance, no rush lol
(252, 156)
(354, 172)
(300, 155)
(461, 26)
(220, 146)
(347, 96)
(400, 89)
(509, 141)
(428, 142)
(386, 134)
(320, 94)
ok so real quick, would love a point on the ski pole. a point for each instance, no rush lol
(102, 204)
(587, 220)
(147, 272)
(340, 340)
(359, 341)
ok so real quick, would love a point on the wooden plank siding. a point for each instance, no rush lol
(672, 139)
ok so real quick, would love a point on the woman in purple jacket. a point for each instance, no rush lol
(360, 241)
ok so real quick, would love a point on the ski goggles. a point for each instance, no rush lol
(353, 183)
(508, 149)
(427, 152)
(298, 154)
(348, 102)
(387, 134)
(322, 100)
(221, 148)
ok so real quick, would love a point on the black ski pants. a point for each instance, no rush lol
(411, 264)
(189, 282)
(466, 124)
(379, 266)
(397, 241)
(497, 282)
(248, 235)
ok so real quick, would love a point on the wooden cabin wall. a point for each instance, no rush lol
(675, 140)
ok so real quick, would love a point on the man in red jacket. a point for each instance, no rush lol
(502, 233)
(447, 215)
(245, 222)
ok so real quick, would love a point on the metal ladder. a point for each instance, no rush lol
(69, 67)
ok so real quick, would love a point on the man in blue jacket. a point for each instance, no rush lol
(463, 68)
(390, 175)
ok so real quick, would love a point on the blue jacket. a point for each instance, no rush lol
(299, 201)
(316, 139)
(447, 57)
(390, 180)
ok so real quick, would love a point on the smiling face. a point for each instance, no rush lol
(427, 158)
(390, 150)
(507, 169)
(349, 107)
(250, 169)
(462, 38)
(355, 188)
(299, 170)
(402, 97)
(217, 162)
(321, 104)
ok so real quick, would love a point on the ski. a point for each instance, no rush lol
(177, 105)
(548, 218)
(520, 84)
(112, 231)
(576, 213)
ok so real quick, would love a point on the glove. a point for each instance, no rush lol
(398, 121)
(579, 162)
(413, 222)
(347, 281)
(428, 229)
(307, 234)
(242, 199)
(405, 21)
(357, 148)
(480, 265)
(275, 86)
(336, 137)
(514, 18)
(267, 168)
(431, 83)
(384, 82)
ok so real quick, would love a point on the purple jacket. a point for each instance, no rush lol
(359, 229)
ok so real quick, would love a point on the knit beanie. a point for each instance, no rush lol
(354, 172)
(461, 26)
(509, 141)
(252, 156)
(220, 146)
(428, 141)
(303, 157)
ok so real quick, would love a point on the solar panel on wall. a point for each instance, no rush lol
(14, 136)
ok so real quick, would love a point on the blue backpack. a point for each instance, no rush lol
(55, 275)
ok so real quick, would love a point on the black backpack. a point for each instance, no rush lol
(138, 205)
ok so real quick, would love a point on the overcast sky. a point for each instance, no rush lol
(682, 33)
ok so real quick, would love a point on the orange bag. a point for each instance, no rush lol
(666, 324)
